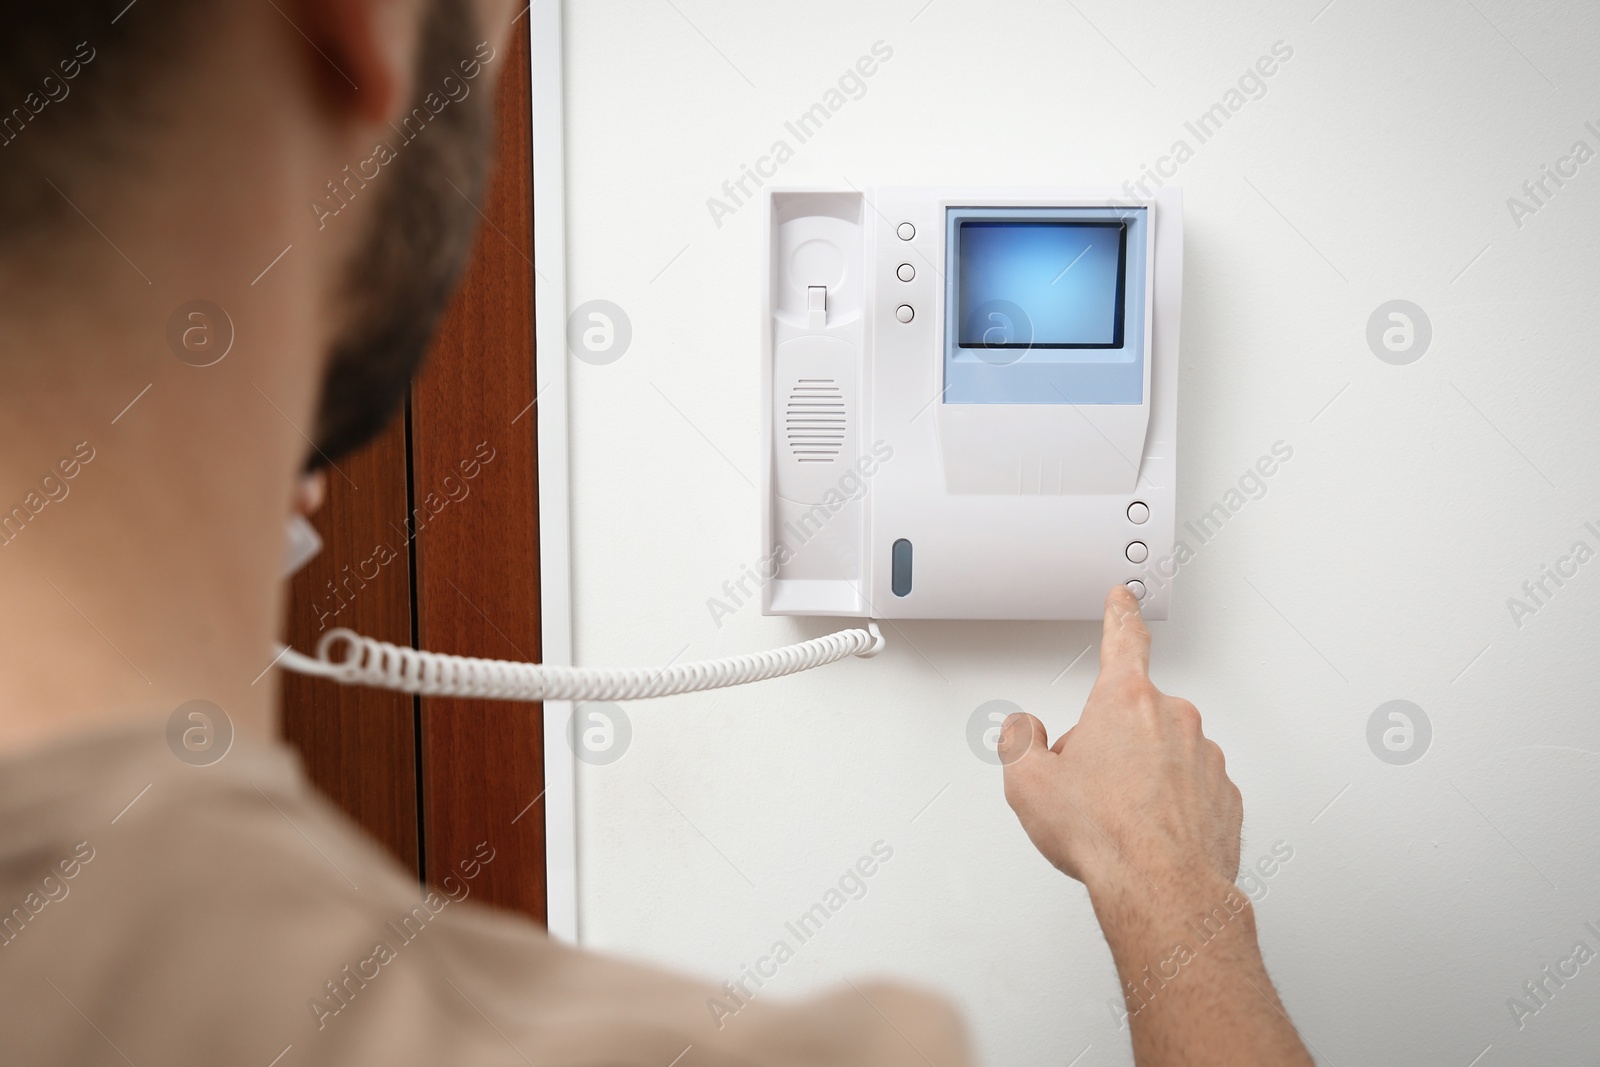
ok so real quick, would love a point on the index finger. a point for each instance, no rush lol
(1124, 640)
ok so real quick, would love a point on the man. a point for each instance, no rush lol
(155, 154)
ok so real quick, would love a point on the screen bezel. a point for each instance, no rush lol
(1037, 375)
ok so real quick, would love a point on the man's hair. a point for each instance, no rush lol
(411, 259)
(84, 86)
(76, 79)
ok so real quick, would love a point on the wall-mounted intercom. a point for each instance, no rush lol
(970, 400)
(970, 413)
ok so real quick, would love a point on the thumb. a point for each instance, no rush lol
(1021, 735)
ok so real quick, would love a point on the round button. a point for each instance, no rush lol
(904, 313)
(1138, 512)
(905, 272)
(906, 231)
(1137, 552)
(1136, 587)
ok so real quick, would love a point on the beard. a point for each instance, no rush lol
(407, 265)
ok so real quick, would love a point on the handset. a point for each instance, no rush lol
(301, 546)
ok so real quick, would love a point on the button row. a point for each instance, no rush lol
(1137, 551)
(905, 272)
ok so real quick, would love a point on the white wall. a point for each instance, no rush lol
(1377, 566)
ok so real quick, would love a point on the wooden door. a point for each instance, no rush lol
(451, 490)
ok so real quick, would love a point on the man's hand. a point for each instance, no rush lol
(1134, 802)
(1134, 791)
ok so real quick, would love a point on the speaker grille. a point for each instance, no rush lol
(815, 420)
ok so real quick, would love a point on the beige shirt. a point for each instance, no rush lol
(156, 913)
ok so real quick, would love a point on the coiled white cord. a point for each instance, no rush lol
(377, 663)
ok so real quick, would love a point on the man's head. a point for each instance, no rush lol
(121, 67)
(306, 170)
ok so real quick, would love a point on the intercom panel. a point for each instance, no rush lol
(970, 401)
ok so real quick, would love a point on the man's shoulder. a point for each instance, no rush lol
(206, 911)
(228, 913)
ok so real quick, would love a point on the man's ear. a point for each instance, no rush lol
(364, 51)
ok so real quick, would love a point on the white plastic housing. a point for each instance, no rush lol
(1012, 510)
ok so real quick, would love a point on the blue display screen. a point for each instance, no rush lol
(1046, 304)
(1040, 284)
